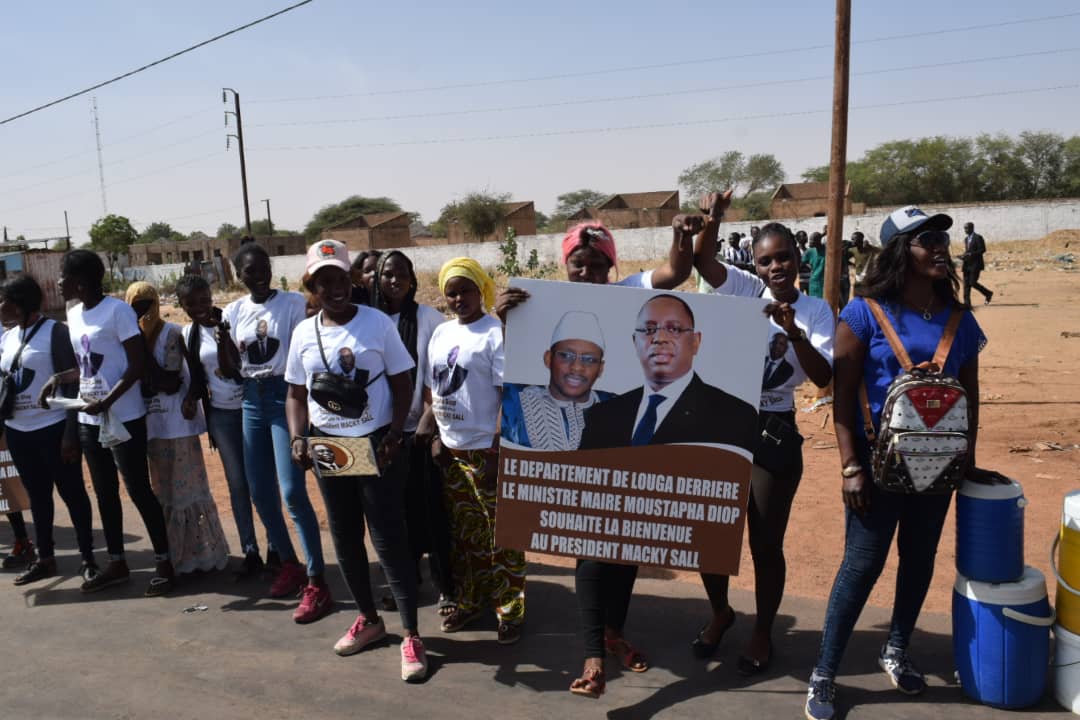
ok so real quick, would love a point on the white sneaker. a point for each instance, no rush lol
(413, 659)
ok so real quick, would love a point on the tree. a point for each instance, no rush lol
(1043, 154)
(349, 207)
(227, 230)
(157, 232)
(732, 170)
(478, 212)
(569, 203)
(113, 235)
(262, 227)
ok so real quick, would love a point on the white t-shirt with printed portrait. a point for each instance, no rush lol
(97, 337)
(225, 394)
(164, 418)
(781, 375)
(465, 375)
(369, 342)
(262, 331)
(34, 369)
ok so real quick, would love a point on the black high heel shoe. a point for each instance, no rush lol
(702, 649)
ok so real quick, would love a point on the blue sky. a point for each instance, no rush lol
(164, 139)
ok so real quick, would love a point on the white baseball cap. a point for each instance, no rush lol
(908, 219)
(324, 253)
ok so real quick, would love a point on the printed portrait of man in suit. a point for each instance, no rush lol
(674, 405)
(777, 370)
(263, 348)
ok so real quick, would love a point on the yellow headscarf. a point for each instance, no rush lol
(471, 270)
(150, 323)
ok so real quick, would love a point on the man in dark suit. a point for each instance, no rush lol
(675, 405)
(263, 348)
(974, 249)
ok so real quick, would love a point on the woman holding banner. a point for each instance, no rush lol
(464, 386)
(800, 347)
(349, 377)
(604, 589)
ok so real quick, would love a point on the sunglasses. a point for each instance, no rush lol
(931, 240)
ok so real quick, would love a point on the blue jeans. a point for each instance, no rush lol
(267, 455)
(226, 428)
(866, 546)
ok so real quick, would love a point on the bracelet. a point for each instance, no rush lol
(851, 471)
(297, 437)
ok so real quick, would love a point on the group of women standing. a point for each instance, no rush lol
(274, 371)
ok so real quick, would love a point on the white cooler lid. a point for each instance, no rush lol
(1031, 587)
(996, 491)
(1070, 514)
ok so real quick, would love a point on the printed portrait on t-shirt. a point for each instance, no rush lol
(89, 361)
(346, 361)
(777, 369)
(263, 348)
(448, 375)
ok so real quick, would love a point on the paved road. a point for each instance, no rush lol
(119, 655)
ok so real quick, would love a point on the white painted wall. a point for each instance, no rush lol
(994, 221)
(154, 274)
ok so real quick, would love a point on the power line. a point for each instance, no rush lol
(667, 93)
(653, 126)
(664, 65)
(152, 64)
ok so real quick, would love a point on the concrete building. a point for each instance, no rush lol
(803, 200)
(377, 231)
(202, 249)
(632, 210)
(521, 216)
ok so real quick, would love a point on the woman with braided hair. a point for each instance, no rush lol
(394, 292)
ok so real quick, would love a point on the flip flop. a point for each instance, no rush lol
(160, 586)
(590, 684)
(631, 658)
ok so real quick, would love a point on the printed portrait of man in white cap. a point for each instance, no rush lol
(552, 417)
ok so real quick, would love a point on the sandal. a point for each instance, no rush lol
(458, 619)
(446, 605)
(509, 634)
(631, 658)
(590, 684)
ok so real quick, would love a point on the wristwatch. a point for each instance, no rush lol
(851, 471)
(797, 335)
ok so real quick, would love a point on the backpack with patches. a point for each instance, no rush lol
(923, 443)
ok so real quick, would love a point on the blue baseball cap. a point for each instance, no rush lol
(908, 219)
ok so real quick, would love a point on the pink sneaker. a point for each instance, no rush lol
(289, 581)
(315, 604)
(413, 659)
(363, 632)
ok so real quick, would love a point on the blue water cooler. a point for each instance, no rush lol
(990, 531)
(1001, 639)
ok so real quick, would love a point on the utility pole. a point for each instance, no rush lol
(100, 164)
(834, 248)
(269, 222)
(239, 141)
(67, 232)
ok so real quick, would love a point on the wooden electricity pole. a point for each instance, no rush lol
(834, 249)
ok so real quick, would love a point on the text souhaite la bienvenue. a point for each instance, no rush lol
(619, 502)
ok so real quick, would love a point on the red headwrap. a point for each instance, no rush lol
(592, 234)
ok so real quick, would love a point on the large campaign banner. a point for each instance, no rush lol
(13, 495)
(629, 422)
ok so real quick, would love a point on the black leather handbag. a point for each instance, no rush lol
(339, 394)
(779, 447)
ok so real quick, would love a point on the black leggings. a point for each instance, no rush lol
(130, 457)
(425, 515)
(767, 520)
(349, 500)
(37, 457)
(603, 595)
(18, 525)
